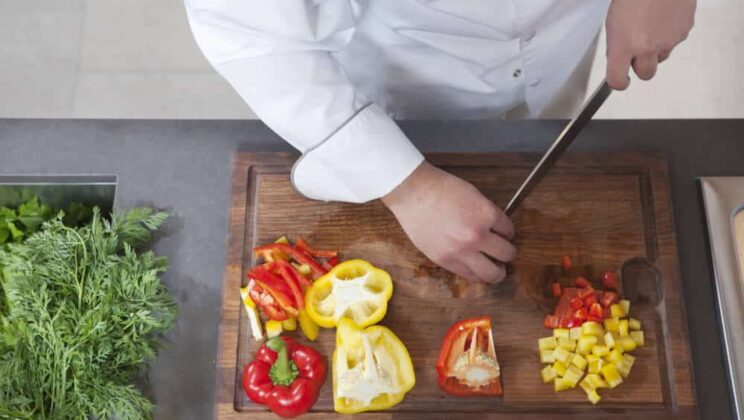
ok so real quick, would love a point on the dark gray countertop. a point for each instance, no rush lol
(184, 166)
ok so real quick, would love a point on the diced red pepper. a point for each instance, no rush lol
(594, 319)
(566, 263)
(564, 321)
(551, 321)
(590, 300)
(577, 303)
(609, 280)
(585, 292)
(606, 313)
(596, 310)
(574, 322)
(608, 298)
(581, 314)
(556, 288)
(582, 282)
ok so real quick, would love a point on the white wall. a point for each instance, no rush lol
(137, 59)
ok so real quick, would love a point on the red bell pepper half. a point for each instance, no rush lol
(286, 376)
(467, 364)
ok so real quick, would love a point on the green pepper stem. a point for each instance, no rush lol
(283, 371)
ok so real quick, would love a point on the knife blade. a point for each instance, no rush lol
(569, 133)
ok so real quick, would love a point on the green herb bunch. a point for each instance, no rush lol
(86, 313)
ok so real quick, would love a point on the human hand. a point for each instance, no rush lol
(453, 224)
(642, 33)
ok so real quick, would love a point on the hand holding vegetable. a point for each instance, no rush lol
(453, 224)
(286, 376)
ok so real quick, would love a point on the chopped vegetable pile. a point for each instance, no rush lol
(592, 339)
(85, 313)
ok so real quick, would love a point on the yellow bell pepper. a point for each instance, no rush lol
(371, 369)
(354, 289)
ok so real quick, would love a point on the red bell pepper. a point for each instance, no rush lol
(286, 376)
(303, 246)
(297, 254)
(467, 364)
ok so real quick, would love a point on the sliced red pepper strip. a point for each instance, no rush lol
(295, 253)
(274, 286)
(290, 276)
(303, 246)
(270, 309)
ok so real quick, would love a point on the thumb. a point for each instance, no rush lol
(618, 66)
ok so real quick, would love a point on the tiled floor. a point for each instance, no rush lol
(137, 59)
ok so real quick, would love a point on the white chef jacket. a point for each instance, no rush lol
(329, 76)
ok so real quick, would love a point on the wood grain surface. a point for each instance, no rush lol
(602, 210)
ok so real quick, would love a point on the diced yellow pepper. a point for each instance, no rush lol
(559, 368)
(623, 328)
(548, 374)
(303, 269)
(574, 333)
(282, 240)
(579, 362)
(273, 328)
(567, 343)
(586, 386)
(593, 397)
(611, 324)
(592, 328)
(617, 311)
(596, 381)
(637, 336)
(562, 355)
(625, 365)
(614, 356)
(547, 343)
(611, 375)
(609, 340)
(561, 332)
(289, 324)
(573, 376)
(625, 304)
(559, 384)
(596, 364)
(546, 356)
(634, 324)
(600, 351)
(585, 344)
(628, 344)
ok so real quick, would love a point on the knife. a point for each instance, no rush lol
(573, 128)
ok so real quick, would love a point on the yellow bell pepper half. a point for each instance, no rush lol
(354, 289)
(372, 369)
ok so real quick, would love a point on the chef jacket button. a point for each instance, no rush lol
(517, 73)
(535, 82)
(529, 36)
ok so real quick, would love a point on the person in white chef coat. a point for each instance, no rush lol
(330, 76)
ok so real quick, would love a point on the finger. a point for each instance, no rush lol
(498, 247)
(502, 224)
(664, 55)
(486, 270)
(461, 270)
(618, 66)
(645, 66)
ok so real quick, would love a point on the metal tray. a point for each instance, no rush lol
(724, 208)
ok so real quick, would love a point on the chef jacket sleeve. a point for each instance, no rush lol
(277, 54)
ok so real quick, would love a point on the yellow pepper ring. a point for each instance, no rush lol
(354, 289)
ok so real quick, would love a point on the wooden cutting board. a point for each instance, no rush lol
(600, 209)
